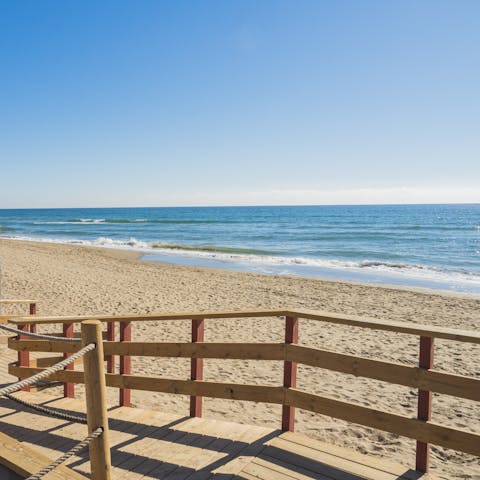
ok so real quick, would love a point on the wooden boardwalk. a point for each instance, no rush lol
(156, 445)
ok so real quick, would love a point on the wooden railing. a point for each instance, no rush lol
(32, 308)
(23, 357)
(424, 377)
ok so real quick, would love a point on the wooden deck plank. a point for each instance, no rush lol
(171, 455)
(321, 462)
(378, 463)
(264, 473)
(284, 466)
(266, 470)
(213, 438)
(234, 450)
(149, 445)
(150, 425)
(246, 454)
(26, 461)
(205, 442)
(137, 457)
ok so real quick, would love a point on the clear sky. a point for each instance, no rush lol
(152, 103)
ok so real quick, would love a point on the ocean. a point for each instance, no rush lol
(433, 246)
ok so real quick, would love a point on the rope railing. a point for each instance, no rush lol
(96, 418)
(38, 335)
(27, 382)
(18, 385)
(51, 412)
(76, 449)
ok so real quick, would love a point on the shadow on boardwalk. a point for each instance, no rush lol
(155, 445)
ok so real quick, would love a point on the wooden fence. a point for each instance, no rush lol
(32, 309)
(23, 357)
(96, 406)
(424, 377)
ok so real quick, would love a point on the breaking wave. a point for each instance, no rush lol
(99, 221)
(253, 258)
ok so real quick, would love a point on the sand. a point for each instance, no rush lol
(79, 280)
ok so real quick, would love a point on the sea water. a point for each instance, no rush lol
(434, 246)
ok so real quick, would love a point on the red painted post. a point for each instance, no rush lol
(196, 366)
(33, 311)
(23, 357)
(68, 387)
(125, 363)
(424, 404)
(289, 374)
(111, 338)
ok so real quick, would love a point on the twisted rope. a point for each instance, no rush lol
(52, 412)
(47, 372)
(34, 379)
(77, 448)
(39, 335)
(47, 384)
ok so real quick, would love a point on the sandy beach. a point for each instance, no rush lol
(75, 280)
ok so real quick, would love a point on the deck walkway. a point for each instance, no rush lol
(156, 445)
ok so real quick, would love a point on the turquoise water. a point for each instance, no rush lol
(435, 246)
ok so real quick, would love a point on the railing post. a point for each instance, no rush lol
(125, 363)
(68, 387)
(289, 374)
(424, 404)
(111, 338)
(23, 357)
(32, 310)
(96, 399)
(196, 366)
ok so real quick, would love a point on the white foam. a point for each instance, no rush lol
(392, 270)
(91, 221)
(80, 221)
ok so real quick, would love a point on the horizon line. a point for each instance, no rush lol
(252, 205)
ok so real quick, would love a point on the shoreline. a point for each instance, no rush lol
(388, 286)
(173, 258)
(70, 280)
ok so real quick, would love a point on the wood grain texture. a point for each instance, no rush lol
(427, 432)
(26, 461)
(96, 400)
(409, 376)
(386, 325)
(424, 431)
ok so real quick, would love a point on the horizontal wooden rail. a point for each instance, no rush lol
(19, 302)
(425, 431)
(391, 372)
(242, 351)
(428, 432)
(254, 393)
(391, 326)
(5, 318)
(43, 346)
(8, 318)
(153, 316)
(49, 361)
(396, 373)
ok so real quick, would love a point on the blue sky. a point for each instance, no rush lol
(151, 103)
